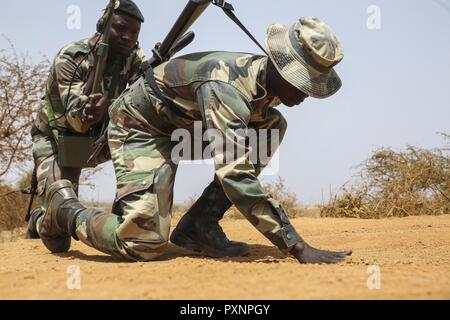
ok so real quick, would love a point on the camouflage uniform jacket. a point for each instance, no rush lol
(180, 78)
(224, 90)
(71, 69)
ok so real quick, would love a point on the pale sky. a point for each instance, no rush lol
(396, 79)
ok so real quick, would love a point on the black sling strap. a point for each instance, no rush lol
(150, 78)
(228, 9)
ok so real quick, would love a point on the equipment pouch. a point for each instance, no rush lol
(74, 151)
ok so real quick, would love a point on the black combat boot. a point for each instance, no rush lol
(199, 229)
(61, 207)
(32, 232)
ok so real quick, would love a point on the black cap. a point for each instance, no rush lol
(128, 7)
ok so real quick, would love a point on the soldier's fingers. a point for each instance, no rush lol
(331, 256)
(96, 96)
(334, 259)
(343, 253)
(91, 109)
(326, 259)
(88, 108)
(339, 253)
(91, 119)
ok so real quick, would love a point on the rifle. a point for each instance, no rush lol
(177, 38)
(103, 47)
(32, 192)
(102, 52)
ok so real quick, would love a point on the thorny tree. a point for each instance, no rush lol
(21, 89)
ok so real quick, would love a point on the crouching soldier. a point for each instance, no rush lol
(227, 92)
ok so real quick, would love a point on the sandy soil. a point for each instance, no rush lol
(413, 255)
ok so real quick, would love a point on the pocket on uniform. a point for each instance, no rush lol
(139, 158)
(141, 220)
(43, 147)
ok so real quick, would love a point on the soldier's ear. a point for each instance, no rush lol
(100, 25)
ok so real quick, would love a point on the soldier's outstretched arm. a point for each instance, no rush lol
(225, 111)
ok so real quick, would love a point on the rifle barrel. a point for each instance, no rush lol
(103, 49)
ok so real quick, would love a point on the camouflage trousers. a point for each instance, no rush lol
(45, 154)
(138, 228)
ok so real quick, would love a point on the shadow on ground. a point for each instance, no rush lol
(258, 254)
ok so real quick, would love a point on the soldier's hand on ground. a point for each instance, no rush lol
(96, 109)
(304, 253)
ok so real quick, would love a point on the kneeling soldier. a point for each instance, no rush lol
(228, 92)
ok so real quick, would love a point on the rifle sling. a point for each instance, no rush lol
(228, 10)
(150, 78)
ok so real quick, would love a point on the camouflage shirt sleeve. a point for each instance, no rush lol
(71, 83)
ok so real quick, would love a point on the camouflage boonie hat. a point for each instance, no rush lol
(305, 55)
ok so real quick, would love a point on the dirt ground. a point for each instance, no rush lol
(413, 256)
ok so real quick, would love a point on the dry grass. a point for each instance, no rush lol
(277, 189)
(13, 205)
(413, 181)
(21, 85)
(288, 200)
(390, 183)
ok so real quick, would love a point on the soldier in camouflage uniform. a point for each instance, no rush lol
(65, 107)
(67, 93)
(226, 92)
